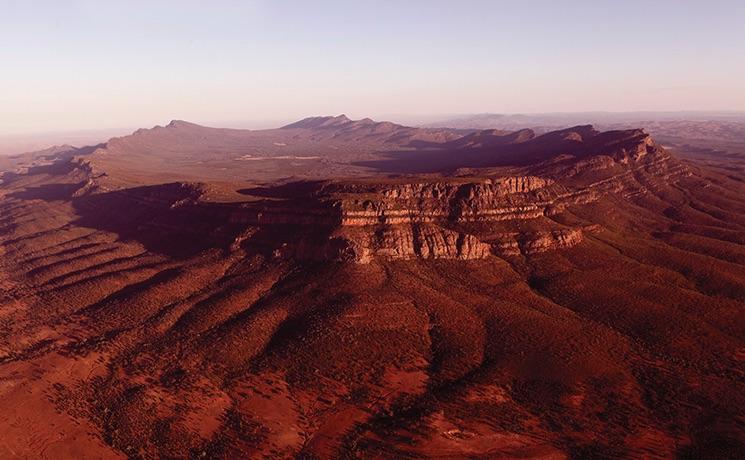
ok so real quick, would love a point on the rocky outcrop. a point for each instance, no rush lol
(395, 242)
(529, 243)
(366, 221)
(479, 200)
(547, 241)
(424, 241)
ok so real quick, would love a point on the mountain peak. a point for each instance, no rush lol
(321, 122)
(182, 124)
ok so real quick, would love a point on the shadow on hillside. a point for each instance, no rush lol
(416, 161)
(288, 190)
(163, 218)
(500, 151)
(448, 160)
(169, 218)
(48, 192)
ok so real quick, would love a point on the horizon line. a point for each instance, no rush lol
(381, 117)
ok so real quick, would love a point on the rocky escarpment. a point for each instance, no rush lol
(425, 241)
(370, 203)
(394, 242)
(399, 220)
(345, 221)
(487, 199)
(431, 217)
(529, 243)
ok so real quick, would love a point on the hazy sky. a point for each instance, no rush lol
(71, 64)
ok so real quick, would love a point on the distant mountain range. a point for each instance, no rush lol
(548, 121)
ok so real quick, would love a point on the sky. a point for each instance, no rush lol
(87, 65)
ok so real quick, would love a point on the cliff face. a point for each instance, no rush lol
(425, 241)
(395, 242)
(487, 199)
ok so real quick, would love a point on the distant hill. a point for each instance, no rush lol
(316, 147)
